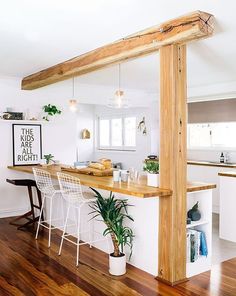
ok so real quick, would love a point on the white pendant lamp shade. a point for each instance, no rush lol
(73, 102)
(119, 100)
(73, 105)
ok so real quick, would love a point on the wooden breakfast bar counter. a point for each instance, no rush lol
(145, 212)
(138, 189)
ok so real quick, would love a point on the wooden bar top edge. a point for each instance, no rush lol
(227, 174)
(140, 190)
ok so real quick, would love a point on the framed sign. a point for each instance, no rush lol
(27, 144)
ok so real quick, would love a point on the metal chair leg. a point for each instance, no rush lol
(40, 217)
(50, 223)
(64, 230)
(78, 237)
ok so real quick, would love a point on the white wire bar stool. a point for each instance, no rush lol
(75, 198)
(49, 191)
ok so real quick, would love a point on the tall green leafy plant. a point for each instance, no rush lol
(114, 212)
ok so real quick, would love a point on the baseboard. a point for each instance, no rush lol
(12, 212)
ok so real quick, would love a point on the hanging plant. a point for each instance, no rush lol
(51, 110)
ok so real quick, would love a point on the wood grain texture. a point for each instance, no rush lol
(139, 189)
(29, 268)
(213, 164)
(227, 174)
(173, 164)
(189, 27)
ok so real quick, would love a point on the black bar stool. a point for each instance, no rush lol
(30, 215)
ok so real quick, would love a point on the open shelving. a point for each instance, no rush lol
(23, 121)
(204, 198)
(197, 223)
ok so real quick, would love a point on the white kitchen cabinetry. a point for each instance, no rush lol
(228, 208)
(208, 174)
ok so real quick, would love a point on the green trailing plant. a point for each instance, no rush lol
(114, 212)
(51, 110)
(151, 167)
(48, 158)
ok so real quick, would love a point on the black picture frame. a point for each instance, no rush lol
(15, 142)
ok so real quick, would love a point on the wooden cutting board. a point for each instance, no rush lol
(89, 171)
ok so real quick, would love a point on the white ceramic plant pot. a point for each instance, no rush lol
(153, 180)
(117, 265)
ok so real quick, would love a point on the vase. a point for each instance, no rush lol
(117, 265)
(153, 180)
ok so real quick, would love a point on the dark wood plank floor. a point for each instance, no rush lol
(28, 267)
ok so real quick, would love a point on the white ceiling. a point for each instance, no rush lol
(37, 34)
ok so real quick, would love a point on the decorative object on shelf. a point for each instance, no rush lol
(152, 169)
(85, 134)
(142, 126)
(51, 110)
(196, 245)
(49, 158)
(114, 212)
(119, 101)
(12, 115)
(188, 221)
(73, 102)
(194, 214)
(27, 144)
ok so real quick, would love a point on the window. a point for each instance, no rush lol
(118, 133)
(212, 135)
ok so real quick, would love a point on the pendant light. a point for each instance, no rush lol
(119, 100)
(73, 101)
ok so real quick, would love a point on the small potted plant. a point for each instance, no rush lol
(152, 169)
(48, 159)
(50, 110)
(114, 212)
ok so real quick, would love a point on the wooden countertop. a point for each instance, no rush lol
(139, 189)
(212, 163)
(228, 174)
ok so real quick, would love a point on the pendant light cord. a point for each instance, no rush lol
(73, 87)
(119, 77)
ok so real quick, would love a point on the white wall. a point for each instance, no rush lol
(85, 120)
(59, 136)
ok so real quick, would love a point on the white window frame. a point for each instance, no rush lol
(110, 147)
(206, 148)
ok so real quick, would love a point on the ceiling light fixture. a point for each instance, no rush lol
(73, 101)
(119, 100)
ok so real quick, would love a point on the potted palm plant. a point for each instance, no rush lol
(152, 169)
(114, 212)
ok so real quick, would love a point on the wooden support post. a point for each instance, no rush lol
(173, 164)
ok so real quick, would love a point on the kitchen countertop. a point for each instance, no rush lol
(228, 174)
(137, 189)
(211, 163)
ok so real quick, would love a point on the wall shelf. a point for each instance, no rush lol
(197, 223)
(23, 121)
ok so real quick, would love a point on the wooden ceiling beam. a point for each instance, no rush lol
(190, 27)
